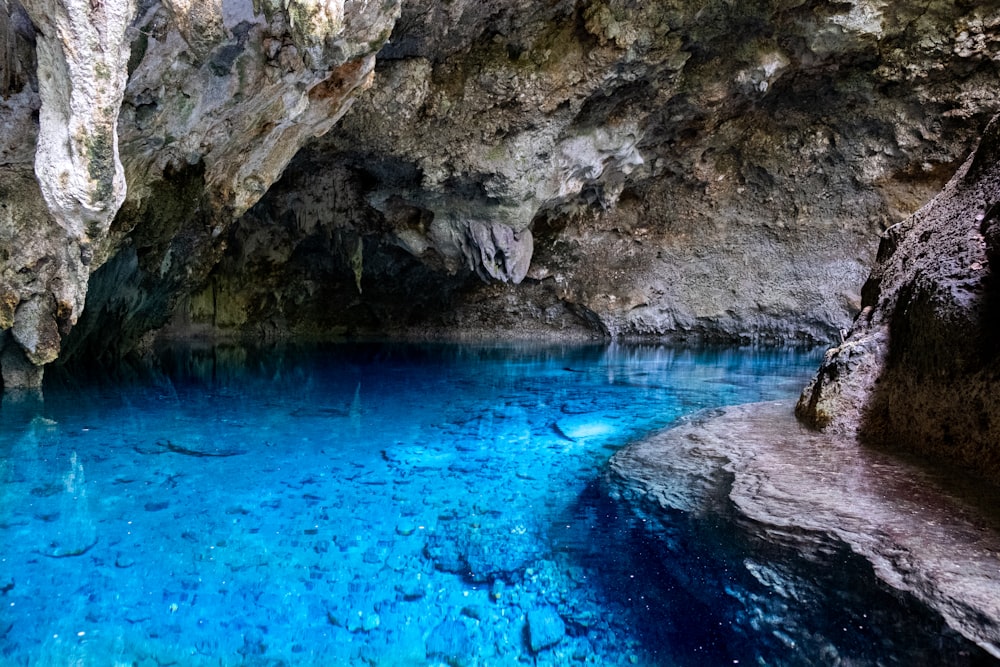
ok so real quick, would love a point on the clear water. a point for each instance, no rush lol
(370, 504)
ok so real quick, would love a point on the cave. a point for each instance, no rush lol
(416, 332)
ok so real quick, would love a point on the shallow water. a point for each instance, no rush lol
(363, 504)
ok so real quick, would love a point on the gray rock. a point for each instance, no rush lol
(923, 532)
(919, 368)
(625, 169)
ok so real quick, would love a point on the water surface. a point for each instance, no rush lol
(358, 504)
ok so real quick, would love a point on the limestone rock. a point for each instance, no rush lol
(82, 50)
(600, 168)
(451, 642)
(152, 95)
(688, 171)
(926, 532)
(919, 367)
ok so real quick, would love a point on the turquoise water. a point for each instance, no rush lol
(365, 504)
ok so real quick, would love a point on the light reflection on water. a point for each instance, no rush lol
(361, 504)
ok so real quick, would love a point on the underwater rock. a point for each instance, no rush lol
(486, 550)
(591, 425)
(932, 535)
(545, 628)
(451, 642)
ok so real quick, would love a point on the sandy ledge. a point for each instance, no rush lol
(931, 533)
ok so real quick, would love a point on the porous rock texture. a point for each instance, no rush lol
(687, 169)
(570, 167)
(156, 124)
(920, 368)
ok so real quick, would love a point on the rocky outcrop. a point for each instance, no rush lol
(775, 484)
(577, 167)
(919, 369)
(82, 51)
(158, 126)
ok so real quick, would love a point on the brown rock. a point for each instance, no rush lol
(920, 368)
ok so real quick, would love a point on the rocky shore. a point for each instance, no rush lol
(933, 535)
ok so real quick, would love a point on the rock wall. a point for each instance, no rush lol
(157, 125)
(577, 167)
(920, 368)
(684, 170)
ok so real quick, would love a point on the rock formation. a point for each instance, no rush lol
(591, 167)
(688, 171)
(921, 365)
(763, 479)
(157, 126)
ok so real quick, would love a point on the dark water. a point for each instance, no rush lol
(395, 505)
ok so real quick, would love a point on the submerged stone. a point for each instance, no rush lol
(545, 628)
(580, 427)
(451, 641)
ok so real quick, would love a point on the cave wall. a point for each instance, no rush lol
(686, 170)
(147, 129)
(920, 368)
(679, 169)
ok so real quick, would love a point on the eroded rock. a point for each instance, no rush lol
(148, 95)
(82, 51)
(687, 171)
(545, 628)
(928, 533)
(919, 367)
(599, 168)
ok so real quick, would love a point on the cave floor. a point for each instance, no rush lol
(926, 531)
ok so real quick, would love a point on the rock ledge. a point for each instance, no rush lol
(924, 532)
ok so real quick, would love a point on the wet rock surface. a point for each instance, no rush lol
(919, 369)
(927, 533)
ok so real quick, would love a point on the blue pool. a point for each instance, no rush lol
(381, 504)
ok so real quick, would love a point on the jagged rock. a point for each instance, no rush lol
(607, 167)
(18, 370)
(223, 94)
(688, 170)
(496, 251)
(919, 367)
(471, 549)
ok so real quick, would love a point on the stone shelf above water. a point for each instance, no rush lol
(925, 532)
